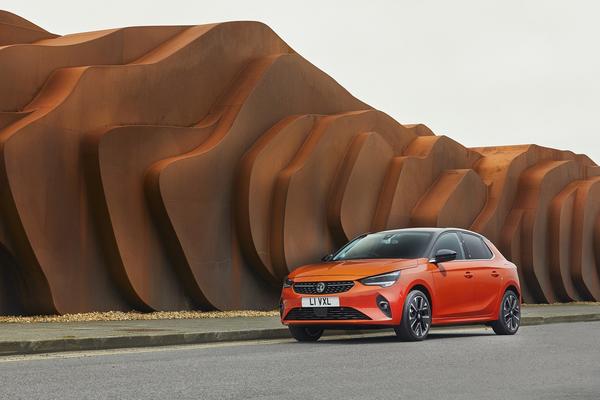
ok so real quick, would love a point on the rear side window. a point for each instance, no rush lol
(476, 248)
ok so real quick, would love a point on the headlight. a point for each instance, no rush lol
(384, 280)
(287, 282)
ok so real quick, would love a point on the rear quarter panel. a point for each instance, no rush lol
(510, 275)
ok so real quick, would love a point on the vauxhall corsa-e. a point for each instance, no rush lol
(408, 279)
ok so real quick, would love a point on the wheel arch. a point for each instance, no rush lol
(512, 286)
(425, 288)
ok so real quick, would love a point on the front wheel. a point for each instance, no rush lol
(416, 317)
(509, 316)
(305, 333)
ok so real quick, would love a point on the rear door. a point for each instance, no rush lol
(488, 279)
(453, 281)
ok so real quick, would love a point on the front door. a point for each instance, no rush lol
(454, 281)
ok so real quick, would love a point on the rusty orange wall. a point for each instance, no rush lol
(165, 168)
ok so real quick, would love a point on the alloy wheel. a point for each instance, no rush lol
(511, 312)
(419, 316)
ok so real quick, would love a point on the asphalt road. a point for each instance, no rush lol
(560, 361)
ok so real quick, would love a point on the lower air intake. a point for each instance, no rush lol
(325, 314)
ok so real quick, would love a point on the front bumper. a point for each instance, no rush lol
(357, 307)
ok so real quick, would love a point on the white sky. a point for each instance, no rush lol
(482, 72)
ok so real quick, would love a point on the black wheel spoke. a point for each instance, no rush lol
(413, 324)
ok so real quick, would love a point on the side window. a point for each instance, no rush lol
(449, 241)
(476, 248)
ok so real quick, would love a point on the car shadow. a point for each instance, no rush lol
(391, 337)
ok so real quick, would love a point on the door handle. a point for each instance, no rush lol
(495, 274)
(468, 275)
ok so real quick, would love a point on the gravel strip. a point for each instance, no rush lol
(134, 315)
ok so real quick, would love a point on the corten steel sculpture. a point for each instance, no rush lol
(163, 168)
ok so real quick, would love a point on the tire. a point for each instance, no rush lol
(509, 315)
(416, 317)
(305, 333)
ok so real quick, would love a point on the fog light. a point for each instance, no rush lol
(384, 305)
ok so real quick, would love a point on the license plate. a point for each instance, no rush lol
(320, 302)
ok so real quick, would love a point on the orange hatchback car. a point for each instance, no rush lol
(408, 279)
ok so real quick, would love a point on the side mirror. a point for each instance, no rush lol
(326, 258)
(443, 255)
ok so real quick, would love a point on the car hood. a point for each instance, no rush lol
(352, 269)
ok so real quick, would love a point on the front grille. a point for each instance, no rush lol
(330, 287)
(325, 314)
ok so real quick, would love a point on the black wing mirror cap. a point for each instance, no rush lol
(443, 255)
(326, 258)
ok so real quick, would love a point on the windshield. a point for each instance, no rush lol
(407, 244)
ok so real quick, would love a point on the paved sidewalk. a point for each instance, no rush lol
(72, 336)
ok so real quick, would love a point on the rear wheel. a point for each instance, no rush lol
(305, 333)
(416, 317)
(509, 316)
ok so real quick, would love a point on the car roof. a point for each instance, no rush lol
(434, 230)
